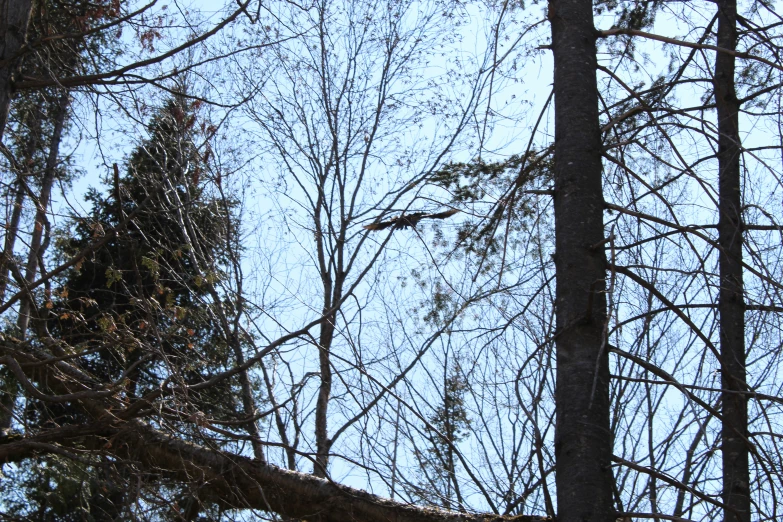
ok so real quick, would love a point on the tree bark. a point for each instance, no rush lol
(583, 440)
(14, 18)
(731, 309)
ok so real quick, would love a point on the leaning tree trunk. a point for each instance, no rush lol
(14, 17)
(736, 492)
(583, 441)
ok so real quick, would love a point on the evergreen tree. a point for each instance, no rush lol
(152, 279)
(448, 426)
(142, 308)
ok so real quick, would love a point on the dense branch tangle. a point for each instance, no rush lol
(580, 321)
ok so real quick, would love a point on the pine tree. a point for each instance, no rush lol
(150, 280)
(141, 307)
(448, 426)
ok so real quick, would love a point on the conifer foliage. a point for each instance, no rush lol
(155, 274)
(139, 309)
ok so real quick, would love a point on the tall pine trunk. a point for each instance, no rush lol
(583, 441)
(736, 492)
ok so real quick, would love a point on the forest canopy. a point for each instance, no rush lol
(416, 261)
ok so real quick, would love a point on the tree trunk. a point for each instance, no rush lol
(227, 479)
(11, 234)
(19, 193)
(14, 17)
(323, 444)
(8, 387)
(9, 394)
(736, 492)
(332, 294)
(41, 221)
(583, 441)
